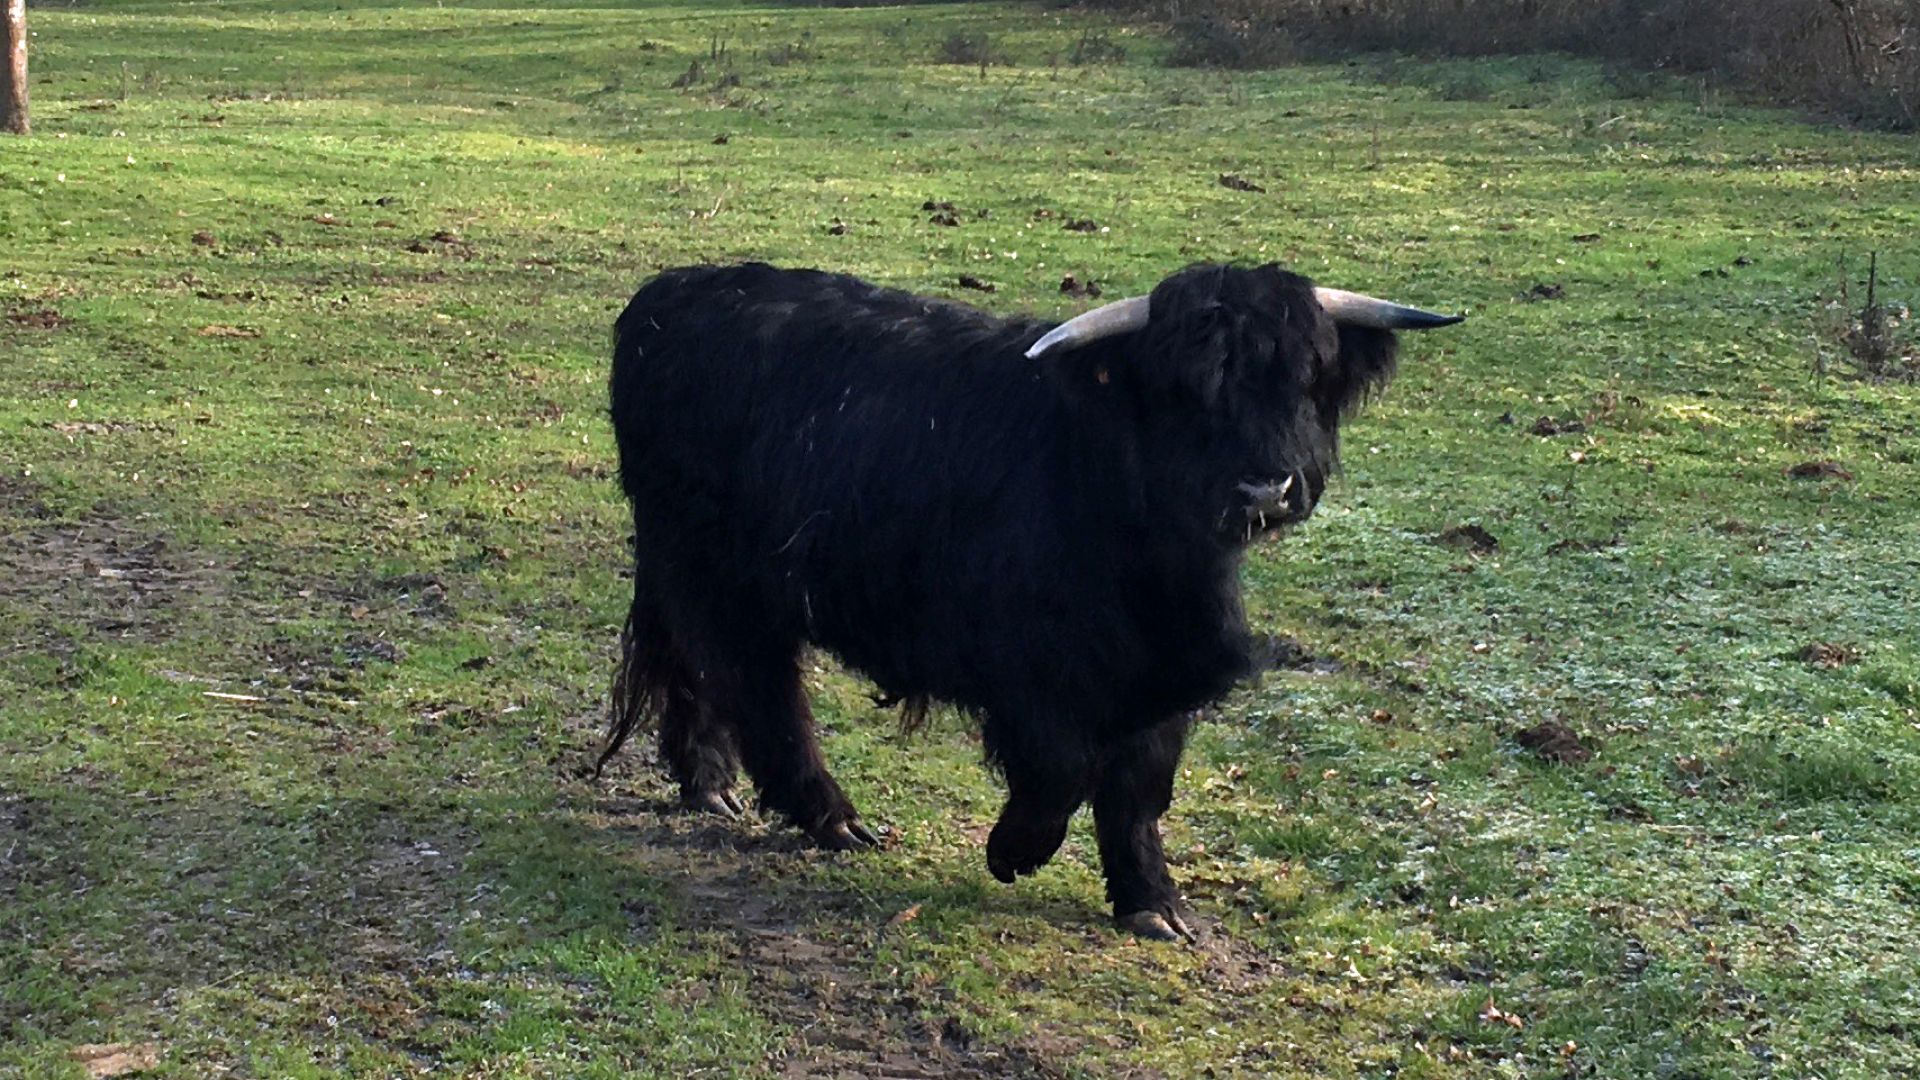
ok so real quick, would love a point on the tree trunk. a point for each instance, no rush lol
(13, 67)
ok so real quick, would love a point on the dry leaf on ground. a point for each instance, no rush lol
(116, 1059)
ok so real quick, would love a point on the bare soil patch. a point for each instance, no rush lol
(114, 576)
(1468, 537)
(1554, 741)
(1073, 286)
(1828, 654)
(20, 496)
(38, 319)
(807, 952)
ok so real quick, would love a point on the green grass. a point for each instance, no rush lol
(343, 459)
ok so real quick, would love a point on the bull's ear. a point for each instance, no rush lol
(1363, 363)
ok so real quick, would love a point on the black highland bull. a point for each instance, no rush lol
(1041, 525)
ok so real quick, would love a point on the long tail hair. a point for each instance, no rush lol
(641, 681)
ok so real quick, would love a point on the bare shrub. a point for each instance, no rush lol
(1210, 42)
(1463, 86)
(1233, 34)
(1097, 47)
(793, 52)
(1856, 57)
(967, 47)
(1878, 340)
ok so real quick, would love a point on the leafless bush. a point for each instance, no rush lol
(1857, 57)
(1878, 339)
(1097, 47)
(964, 47)
(793, 52)
(1206, 41)
(690, 77)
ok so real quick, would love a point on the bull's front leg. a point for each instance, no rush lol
(1135, 788)
(1048, 773)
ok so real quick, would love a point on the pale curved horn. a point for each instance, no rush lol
(1349, 308)
(1103, 321)
(1354, 309)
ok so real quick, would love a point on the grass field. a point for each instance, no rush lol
(311, 563)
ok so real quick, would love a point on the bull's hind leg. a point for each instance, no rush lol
(1047, 772)
(654, 681)
(1136, 787)
(699, 750)
(760, 694)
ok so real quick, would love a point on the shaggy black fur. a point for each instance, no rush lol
(1051, 544)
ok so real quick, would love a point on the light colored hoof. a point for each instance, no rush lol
(719, 803)
(1155, 926)
(848, 835)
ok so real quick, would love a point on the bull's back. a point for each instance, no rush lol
(759, 380)
(836, 449)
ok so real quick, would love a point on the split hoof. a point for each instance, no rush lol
(1169, 925)
(847, 834)
(720, 803)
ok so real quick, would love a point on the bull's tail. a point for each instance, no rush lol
(642, 680)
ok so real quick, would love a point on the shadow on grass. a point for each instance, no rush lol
(116, 894)
(423, 927)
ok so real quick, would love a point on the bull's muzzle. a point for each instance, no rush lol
(1273, 503)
